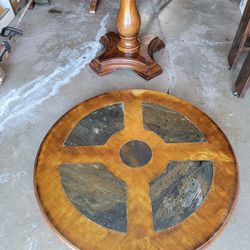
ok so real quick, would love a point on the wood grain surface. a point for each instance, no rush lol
(141, 62)
(79, 231)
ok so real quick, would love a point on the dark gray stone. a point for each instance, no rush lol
(170, 125)
(179, 191)
(97, 127)
(96, 193)
(135, 153)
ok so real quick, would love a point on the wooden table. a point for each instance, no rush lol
(125, 49)
(136, 169)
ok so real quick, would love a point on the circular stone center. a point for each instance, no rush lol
(135, 153)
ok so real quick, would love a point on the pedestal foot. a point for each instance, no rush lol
(141, 62)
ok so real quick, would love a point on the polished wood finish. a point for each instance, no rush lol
(93, 6)
(142, 63)
(126, 50)
(128, 25)
(243, 81)
(196, 231)
(240, 38)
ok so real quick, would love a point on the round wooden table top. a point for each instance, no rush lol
(136, 169)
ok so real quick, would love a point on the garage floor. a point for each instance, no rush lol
(48, 73)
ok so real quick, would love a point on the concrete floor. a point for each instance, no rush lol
(48, 73)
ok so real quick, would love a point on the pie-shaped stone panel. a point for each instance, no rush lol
(96, 193)
(97, 127)
(179, 191)
(170, 125)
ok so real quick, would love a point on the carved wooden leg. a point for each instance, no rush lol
(93, 6)
(126, 50)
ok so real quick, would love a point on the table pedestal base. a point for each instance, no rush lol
(141, 62)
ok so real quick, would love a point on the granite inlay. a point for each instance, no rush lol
(179, 191)
(135, 153)
(170, 125)
(96, 193)
(97, 127)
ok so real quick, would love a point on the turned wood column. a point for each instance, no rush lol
(128, 24)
